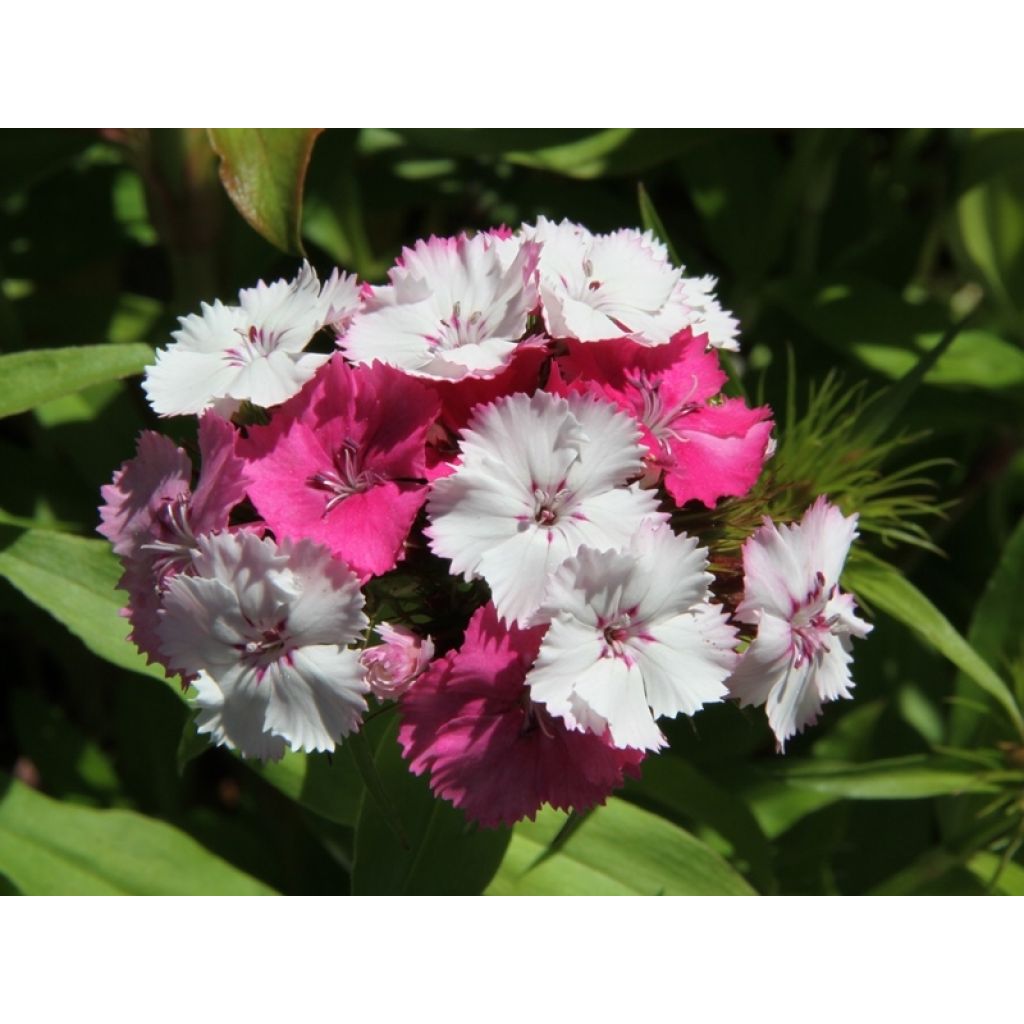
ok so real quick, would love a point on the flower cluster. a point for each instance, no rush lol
(526, 410)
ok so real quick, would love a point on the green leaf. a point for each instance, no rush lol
(997, 628)
(74, 579)
(1009, 876)
(445, 855)
(617, 850)
(903, 778)
(328, 787)
(28, 379)
(885, 587)
(875, 325)
(652, 222)
(48, 849)
(990, 215)
(677, 790)
(263, 171)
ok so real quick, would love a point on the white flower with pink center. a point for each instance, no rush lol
(254, 351)
(455, 308)
(539, 477)
(633, 638)
(800, 658)
(264, 630)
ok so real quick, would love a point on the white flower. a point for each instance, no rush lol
(633, 638)
(539, 477)
(456, 307)
(705, 314)
(250, 352)
(599, 287)
(800, 658)
(264, 627)
(596, 287)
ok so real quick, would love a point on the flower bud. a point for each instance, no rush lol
(393, 665)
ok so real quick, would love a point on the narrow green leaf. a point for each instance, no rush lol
(445, 855)
(652, 222)
(879, 416)
(263, 171)
(28, 379)
(885, 587)
(618, 850)
(74, 579)
(904, 778)
(48, 848)
(1009, 876)
(997, 628)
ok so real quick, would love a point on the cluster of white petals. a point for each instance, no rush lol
(456, 307)
(264, 629)
(622, 285)
(539, 477)
(253, 351)
(633, 637)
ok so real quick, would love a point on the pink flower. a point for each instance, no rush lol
(800, 658)
(394, 665)
(489, 749)
(342, 463)
(153, 519)
(706, 449)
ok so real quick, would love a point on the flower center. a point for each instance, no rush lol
(618, 631)
(265, 647)
(455, 330)
(348, 476)
(255, 344)
(811, 639)
(174, 549)
(662, 417)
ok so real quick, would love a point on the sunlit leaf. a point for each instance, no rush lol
(890, 591)
(49, 849)
(618, 850)
(28, 379)
(264, 170)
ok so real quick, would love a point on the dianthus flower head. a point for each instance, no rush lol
(455, 308)
(254, 351)
(397, 662)
(539, 477)
(632, 638)
(800, 657)
(263, 629)
(488, 748)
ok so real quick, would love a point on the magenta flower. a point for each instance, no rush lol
(489, 749)
(342, 463)
(800, 658)
(707, 448)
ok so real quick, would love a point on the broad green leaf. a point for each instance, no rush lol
(28, 379)
(49, 848)
(617, 850)
(904, 778)
(444, 854)
(876, 326)
(886, 588)
(263, 171)
(674, 788)
(997, 628)
(74, 579)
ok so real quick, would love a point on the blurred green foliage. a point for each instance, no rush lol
(847, 255)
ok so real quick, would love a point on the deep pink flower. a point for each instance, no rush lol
(342, 463)
(707, 449)
(489, 749)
